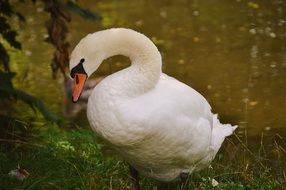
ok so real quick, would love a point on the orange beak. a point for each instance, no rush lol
(79, 80)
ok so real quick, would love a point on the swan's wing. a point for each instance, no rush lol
(173, 117)
(169, 100)
(186, 99)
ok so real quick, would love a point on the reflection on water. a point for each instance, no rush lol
(233, 52)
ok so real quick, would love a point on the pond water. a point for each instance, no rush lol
(232, 52)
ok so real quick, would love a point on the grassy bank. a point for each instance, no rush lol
(75, 159)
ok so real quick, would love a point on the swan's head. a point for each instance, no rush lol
(84, 60)
(94, 48)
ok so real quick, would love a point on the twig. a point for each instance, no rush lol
(232, 173)
(20, 142)
(249, 151)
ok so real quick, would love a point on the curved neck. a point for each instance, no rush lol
(145, 69)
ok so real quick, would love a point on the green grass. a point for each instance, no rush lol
(76, 159)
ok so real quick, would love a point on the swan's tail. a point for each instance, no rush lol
(219, 132)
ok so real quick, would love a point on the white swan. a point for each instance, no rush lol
(160, 126)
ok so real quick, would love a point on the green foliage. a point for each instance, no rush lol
(70, 160)
(8, 93)
(4, 61)
(34, 102)
(76, 159)
(6, 9)
(5, 29)
(7, 33)
(57, 29)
